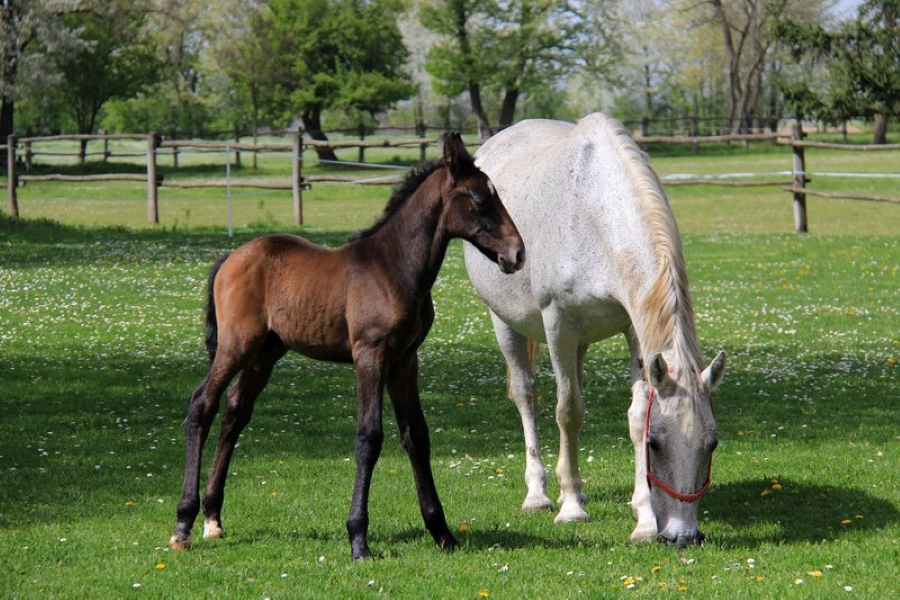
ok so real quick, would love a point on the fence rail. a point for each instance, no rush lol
(297, 183)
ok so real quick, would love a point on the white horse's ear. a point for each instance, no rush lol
(712, 375)
(658, 371)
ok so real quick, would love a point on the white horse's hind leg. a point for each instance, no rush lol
(646, 529)
(521, 381)
(570, 411)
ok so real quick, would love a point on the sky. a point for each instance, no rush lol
(846, 8)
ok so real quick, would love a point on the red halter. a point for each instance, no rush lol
(653, 479)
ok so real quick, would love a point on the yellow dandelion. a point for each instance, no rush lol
(161, 565)
(765, 492)
(846, 522)
(499, 471)
(816, 573)
(776, 486)
(858, 517)
(628, 581)
(655, 569)
(760, 578)
(484, 594)
(129, 503)
(274, 493)
(463, 527)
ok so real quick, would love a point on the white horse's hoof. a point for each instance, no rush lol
(571, 514)
(643, 534)
(536, 504)
(212, 530)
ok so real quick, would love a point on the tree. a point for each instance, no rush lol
(508, 48)
(863, 62)
(236, 60)
(334, 54)
(116, 61)
(32, 34)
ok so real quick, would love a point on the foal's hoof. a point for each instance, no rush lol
(448, 543)
(212, 530)
(178, 544)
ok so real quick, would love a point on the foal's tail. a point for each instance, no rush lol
(212, 326)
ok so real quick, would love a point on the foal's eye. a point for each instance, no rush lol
(477, 198)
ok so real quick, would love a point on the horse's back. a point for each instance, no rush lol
(289, 286)
(571, 196)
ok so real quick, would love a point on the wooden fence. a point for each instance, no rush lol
(796, 184)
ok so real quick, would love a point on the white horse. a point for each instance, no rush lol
(605, 257)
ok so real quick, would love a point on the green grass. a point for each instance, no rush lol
(101, 344)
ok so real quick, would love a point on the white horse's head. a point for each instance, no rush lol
(680, 434)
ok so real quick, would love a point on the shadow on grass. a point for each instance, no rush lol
(796, 513)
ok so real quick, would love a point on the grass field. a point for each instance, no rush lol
(101, 344)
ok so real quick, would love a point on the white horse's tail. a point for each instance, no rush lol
(533, 356)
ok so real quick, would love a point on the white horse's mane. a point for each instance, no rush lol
(666, 313)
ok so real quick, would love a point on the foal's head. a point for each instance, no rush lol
(474, 212)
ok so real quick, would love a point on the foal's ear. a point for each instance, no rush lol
(455, 153)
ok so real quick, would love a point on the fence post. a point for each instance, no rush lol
(800, 225)
(362, 138)
(421, 132)
(152, 188)
(297, 177)
(11, 176)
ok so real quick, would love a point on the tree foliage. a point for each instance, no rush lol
(334, 54)
(510, 48)
(862, 59)
(116, 60)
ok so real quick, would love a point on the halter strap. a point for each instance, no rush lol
(653, 479)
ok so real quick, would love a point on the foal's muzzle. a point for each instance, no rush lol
(511, 264)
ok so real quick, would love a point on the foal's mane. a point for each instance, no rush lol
(414, 178)
(666, 312)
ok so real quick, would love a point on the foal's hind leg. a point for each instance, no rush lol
(238, 410)
(203, 407)
(404, 392)
(521, 382)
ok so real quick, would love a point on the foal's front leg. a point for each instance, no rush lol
(370, 369)
(404, 392)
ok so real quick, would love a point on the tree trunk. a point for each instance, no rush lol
(508, 108)
(312, 122)
(6, 124)
(879, 135)
(484, 126)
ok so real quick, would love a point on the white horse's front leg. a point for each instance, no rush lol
(570, 413)
(521, 388)
(646, 528)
